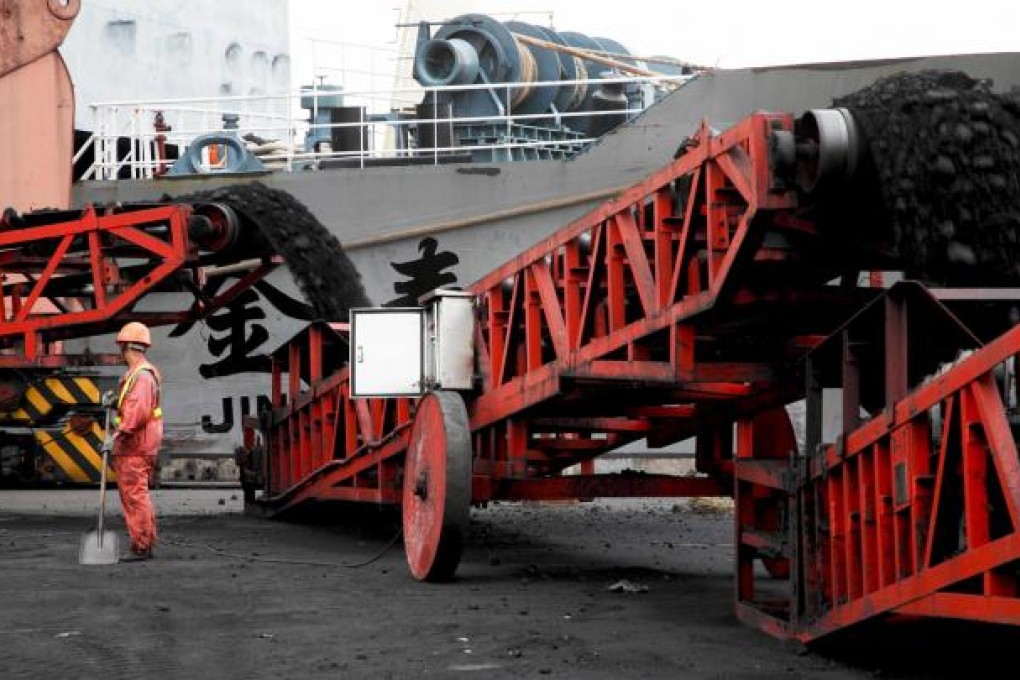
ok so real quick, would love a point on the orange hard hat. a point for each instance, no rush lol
(135, 332)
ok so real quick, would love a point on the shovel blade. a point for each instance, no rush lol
(99, 548)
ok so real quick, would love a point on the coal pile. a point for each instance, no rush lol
(326, 276)
(946, 152)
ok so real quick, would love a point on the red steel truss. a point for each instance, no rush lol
(696, 304)
(646, 319)
(564, 332)
(76, 273)
(914, 510)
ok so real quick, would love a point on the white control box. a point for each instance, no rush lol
(386, 352)
(449, 346)
(401, 352)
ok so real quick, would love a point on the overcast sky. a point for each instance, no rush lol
(722, 33)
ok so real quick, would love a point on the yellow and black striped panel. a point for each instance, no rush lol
(68, 456)
(52, 396)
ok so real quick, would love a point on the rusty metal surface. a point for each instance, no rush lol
(30, 29)
(37, 116)
(36, 139)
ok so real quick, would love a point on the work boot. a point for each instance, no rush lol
(136, 555)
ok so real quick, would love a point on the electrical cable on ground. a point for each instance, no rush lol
(282, 560)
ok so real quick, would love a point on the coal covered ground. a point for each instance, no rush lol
(946, 163)
(238, 597)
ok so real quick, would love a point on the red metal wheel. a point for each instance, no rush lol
(437, 487)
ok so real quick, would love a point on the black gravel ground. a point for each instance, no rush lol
(236, 597)
(536, 596)
(946, 149)
(326, 276)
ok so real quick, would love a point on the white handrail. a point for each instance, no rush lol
(274, 116)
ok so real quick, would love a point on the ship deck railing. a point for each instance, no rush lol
(141, 139)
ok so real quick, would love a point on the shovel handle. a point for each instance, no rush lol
(102, 475)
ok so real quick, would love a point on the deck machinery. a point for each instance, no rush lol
(700, 303)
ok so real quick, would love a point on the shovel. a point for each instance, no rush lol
(99, 546)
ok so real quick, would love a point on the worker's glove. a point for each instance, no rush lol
(109, 398)
(107, 447)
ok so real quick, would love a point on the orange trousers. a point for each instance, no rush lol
(133, 484)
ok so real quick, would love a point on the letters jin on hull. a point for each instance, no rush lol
(238, 339)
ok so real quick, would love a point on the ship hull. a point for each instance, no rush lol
(409, 229)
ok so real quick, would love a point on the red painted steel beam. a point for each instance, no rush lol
(617, 254)
(170, 255)
(551, 307)
(680, 411)
(40, 284)
(940, 387)
(974, 562)
(772, 474)
(982, 608)
(644, 280)
(335, 473)
(632, 295)
(767, 543)
(1001, 445)
(82, 275)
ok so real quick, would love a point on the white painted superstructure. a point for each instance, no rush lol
(122, 50)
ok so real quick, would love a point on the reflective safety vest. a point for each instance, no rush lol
(129, 382)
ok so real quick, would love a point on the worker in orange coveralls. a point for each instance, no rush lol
(136, 438)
